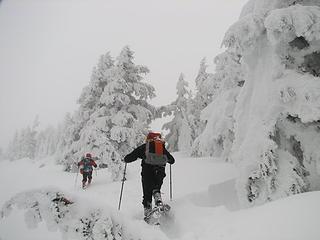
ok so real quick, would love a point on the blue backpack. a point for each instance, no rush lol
(87, 167)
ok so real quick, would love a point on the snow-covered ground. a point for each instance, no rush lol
(204, 202)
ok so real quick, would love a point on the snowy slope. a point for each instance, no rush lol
(204, 203)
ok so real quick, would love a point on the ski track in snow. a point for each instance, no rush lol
(204, 204)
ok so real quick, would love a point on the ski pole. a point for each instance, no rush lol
(170, 184)
(75, 182)
(123, 179)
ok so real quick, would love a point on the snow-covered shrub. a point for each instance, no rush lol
(72, 217)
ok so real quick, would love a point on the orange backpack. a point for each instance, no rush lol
(157, 157)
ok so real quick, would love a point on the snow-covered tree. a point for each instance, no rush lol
(28, 143)
(205, 89)
(125, 114)
(217, 137)
(30, 139)
(118, 119)
(72, 145)
(276, 113)
(180, 135)
(1, 154)
(89, 99)
(24, 143)
(47, 142)
(67, 134)
(13, 151)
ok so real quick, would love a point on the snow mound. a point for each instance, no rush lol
(75, 218)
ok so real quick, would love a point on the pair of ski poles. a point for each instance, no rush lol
(124, 178)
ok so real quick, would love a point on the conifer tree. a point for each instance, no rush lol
(275, 115)
(89, 100)
(180, 132)
(125, 114)
(68, 134)
(116, 116)
(205, 89)
(13, 150)
(24, 143)
(204, 86)
(47, 142)
(218, 134)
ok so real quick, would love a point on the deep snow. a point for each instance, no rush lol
(204, 202)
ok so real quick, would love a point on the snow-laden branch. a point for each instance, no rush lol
(243, 35)
(294, 21)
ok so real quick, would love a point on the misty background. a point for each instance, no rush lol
(49, 48)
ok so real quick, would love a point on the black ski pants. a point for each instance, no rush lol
(86, 175)
(152, 179)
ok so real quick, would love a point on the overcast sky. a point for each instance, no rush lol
(49, 47)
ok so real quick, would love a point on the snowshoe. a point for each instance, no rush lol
(156, 214)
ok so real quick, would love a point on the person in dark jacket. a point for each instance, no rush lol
(86, 164)
(152, 174)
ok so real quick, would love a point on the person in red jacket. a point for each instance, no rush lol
(86, 167)
(152, 172)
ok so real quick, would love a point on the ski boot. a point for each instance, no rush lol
(163, 208)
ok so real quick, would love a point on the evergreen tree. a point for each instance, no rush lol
(124, 117)
(276, 113)
(30, 141)
(71, 145)
(117, 116)
(67, 135)
(180, 132)
(24, 143)
(204, 86)
(1, 154)
(205, 89)
(13, 151)
(218, 134)
(47, 142)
